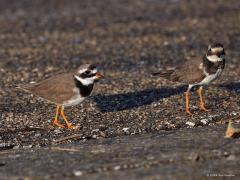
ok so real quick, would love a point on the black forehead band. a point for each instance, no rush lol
(84, 75)
(92, 67)
(216, 45)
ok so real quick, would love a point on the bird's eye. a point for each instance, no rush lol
(87, 72)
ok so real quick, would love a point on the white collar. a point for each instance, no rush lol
(85, 81)
(214, 58)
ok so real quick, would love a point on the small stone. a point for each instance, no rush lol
(193, 157)
(204, 121)
(226, 153)
(37, 135)
(191, 124)
(78, 173)
(57, 131)
(165, 43)
(27, 147)
(234, 113)
(94, 136)
(126, 130)
(2, 163)
(103, 134)
(116, 168)
(150, 158)
(231, 158)
(95, 130)
(16, 147)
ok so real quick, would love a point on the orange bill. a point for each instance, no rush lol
(99, 75)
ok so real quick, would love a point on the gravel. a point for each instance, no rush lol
(128, 40)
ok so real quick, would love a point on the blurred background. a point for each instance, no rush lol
(48, 36)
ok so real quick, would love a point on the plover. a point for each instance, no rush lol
(198, 73)
(65, 90)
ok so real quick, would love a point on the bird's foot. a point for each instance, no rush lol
(202, 108)
(55, 123)
(70, 126)
(189, 113)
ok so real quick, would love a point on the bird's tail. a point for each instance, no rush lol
(26, 87)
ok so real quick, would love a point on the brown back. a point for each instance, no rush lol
(188, 72)
(56, 89)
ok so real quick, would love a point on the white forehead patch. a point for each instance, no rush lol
(94, 71)
(214, 58)
(85, 81)
(217, 49)
(81, 71)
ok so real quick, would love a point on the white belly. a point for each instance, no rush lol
(75, 100)
(209, 78)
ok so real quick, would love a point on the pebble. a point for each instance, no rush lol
(57, 131)
(95, 130)
(27, 147)
(231, 158)
(193, 157)
(16, 147)
(2, 163)
(116, 168)
(191, 124)
(4, 145)
(94, 136)
(204, 121)
(37, 135)
(126, 130)
(234, 113)
(103, 134)
(78, 173)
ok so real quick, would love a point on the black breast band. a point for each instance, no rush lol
(83, 89)
(210, 67)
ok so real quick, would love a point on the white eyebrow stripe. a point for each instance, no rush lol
(81, 71)
(217, 49)
(94, 71)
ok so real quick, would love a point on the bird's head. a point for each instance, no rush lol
(215, 53)
(87, 74)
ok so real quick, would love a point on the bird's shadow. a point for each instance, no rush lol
(124, 101)
(231, 86)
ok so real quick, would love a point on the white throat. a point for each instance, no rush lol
(214, 58)
(85, 81)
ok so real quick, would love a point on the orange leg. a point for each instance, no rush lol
(202, 108)
(187, 103)
(55, 122)
(69, 125)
